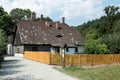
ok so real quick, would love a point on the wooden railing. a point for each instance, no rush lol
(86, 59)
(56, 59)
(72, 60)
(43, 57)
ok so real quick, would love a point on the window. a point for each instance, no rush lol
(50, 25)
(18, 50)
(59, 28)
(57, 50)
(34, 48)
(44, 48)
(76, 49)
(67, 49)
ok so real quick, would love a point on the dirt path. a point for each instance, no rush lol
(16, 68)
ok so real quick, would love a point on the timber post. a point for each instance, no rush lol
(63, 55)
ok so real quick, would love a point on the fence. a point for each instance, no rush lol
(86, 59)
(43, 57)
(72, 60)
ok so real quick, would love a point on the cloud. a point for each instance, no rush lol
(6, 4)
(71, 9)
(82, 8)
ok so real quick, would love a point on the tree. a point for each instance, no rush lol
(6, 22)
(102, 35)
(45, 19)
(113, 42)
(111, 12)
(18, 14)
(95, 48)
(2, 41)
(93, 45)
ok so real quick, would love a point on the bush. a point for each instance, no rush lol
(113, 42)
(92, 47)
(2, 44)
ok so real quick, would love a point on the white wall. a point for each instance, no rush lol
(52, 50)
(80, 49)
(10, 50)
(20, 48)
(70, 51)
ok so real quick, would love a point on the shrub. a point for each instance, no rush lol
(113, 42)
(92, 47)
(2, 44)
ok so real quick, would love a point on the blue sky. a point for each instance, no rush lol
(76, 12)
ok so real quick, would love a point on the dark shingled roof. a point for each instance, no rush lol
(41, 32)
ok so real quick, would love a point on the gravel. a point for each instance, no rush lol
(18, 68)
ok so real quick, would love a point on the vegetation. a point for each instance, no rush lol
(44, 19)
(103, 73)
(112, 41)
(6, 23)
(2, 44)
(102, 35)
(18, 14)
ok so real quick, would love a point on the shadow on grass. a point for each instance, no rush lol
(10, 67)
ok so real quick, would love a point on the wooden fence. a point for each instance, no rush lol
(72, 60)
(43, 57)
(86, 59)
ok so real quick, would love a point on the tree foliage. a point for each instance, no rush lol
(44, 19)
(2, 41)
(113, 42)
(111, 10)
(94, 46)
(18, 14)
(6, 22)
(102, 33)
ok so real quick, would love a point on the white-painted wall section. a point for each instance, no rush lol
(19, 49)
(10, 50)
(70, 50)
(80, 49)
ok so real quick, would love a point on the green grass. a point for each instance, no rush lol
(104, 73)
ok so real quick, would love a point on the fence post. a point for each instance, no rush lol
(63, 57)
(50, 58)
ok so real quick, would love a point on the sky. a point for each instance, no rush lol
(76, 12)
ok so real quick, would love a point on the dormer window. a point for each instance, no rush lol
(59, 36)
(50, 25)
(59, 28)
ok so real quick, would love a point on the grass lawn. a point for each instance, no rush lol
(102, 73)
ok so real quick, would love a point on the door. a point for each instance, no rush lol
(57, 50)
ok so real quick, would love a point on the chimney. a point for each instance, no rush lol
(33, 16)
(41, 18)
(63, 20)
(56, 25)
(47, 24)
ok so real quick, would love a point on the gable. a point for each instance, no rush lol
(17, 40)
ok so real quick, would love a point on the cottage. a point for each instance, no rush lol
(30, 35)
